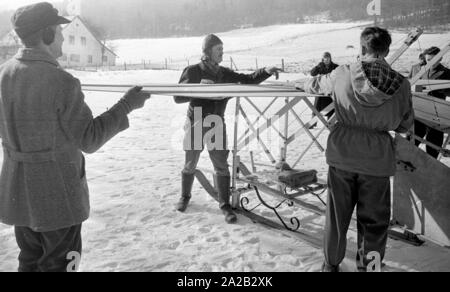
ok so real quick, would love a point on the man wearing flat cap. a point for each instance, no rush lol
(208, 71)
(45, 127)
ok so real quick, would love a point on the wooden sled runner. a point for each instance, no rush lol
(310, 238)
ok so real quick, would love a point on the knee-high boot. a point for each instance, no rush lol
(223, 187)
(187, 180)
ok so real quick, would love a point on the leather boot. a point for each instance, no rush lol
(330, 269)
(223, 187)
(187, 180)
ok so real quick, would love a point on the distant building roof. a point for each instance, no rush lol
(73, 17)
(11, 39)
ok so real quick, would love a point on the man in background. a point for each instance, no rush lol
(209, 71)
(45, 127)
(323, 68)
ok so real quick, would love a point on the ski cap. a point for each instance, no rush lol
(210, 41)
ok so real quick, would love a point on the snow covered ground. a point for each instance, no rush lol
(134, 181)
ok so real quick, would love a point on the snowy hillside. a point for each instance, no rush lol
(300, 45)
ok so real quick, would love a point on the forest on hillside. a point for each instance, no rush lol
(113, 19)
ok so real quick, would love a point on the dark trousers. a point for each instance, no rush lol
(322, 103)
(433, 136)
(371, 196)
(219, 159)
(196, 139)
(47, 251)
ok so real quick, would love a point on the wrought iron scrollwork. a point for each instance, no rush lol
(295, 222)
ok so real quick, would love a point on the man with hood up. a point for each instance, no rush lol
(371, 99)
(208, 71)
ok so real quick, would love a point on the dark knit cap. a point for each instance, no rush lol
(326, 55)
(211, 41)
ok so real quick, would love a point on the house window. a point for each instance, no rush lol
(90, 59)
(74, 58)
(105, 58)
(83, 41)
(72, 40)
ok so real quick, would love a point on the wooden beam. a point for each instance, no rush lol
(412, 37)
(436, 59)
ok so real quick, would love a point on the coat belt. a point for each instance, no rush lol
(29, 157)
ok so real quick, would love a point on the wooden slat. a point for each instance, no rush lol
(214, 92)
(432, 111)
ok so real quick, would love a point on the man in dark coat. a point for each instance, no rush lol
(437, 72)
(371, 99)
(208, 71)
(325, 67)
(45, 127)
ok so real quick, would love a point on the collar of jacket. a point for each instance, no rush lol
(435, 73)
(218, 74)
(367, 94)
(366, 59)
(32, 54)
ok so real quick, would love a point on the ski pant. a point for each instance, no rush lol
(47, 251)
(433, 136)
(194, 142)
(371, 196)
(219, 159)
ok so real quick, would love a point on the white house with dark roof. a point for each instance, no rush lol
(82, 48)
(9, 45)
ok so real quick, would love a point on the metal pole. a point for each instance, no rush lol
(235, 194)
(286, 133)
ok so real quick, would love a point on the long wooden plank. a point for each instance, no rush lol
(412, 37)
(437, 58)
(432, 111)
(431, 85)
(215, 92)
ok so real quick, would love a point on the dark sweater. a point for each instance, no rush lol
(438, 73)
(194, 75)
(323, 69)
